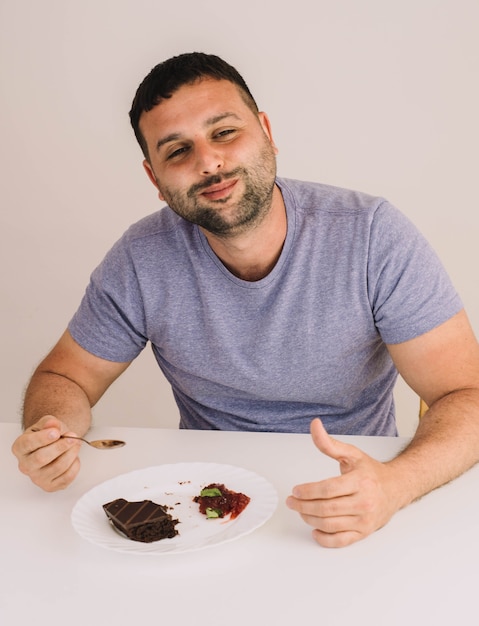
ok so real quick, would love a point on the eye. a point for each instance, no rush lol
(225, 134)
(177, 153)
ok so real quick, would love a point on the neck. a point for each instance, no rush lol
(252, 255)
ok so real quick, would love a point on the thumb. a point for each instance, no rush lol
(347, 455)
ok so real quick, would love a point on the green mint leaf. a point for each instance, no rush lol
(210, 493)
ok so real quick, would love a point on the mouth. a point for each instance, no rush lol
(220, 191)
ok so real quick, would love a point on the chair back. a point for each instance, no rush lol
(422, 408)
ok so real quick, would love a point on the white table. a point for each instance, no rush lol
(419, 569)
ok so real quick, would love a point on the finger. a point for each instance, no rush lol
(330, 525)
(338, 530)
(54, 466)
(49, 427)
(59, 474)
(37, 453)
(345, 453)
(324, 490)
(324, 507)
(47, 421)
(44, 456)
(32, 440)
(40, 434)
(337, 540)
(50, 421)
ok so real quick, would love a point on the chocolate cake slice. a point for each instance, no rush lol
(141, 521)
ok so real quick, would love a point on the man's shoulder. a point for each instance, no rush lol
(329, 198)
(158, 223)
(161, 231)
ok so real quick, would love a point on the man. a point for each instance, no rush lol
(268, 303)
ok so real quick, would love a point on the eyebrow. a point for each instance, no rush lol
(209, 122)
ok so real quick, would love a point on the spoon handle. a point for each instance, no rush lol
(100, 444)
(73, 437)
(37, 430)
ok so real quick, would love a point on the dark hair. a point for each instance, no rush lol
(185, 69)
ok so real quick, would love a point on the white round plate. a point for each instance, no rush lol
(175, 486)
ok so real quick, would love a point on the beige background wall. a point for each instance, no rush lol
(377, 95)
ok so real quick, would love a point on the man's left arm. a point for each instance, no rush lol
(442, 367)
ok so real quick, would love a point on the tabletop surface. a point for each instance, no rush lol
(420, 568)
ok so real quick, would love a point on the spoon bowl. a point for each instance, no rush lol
(100, 444)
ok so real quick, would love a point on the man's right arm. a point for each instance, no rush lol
(58, 400)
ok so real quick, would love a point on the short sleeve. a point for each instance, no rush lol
(110, 319)
(409, 289)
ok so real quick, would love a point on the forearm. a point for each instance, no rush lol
(445, 445)
(53, 394)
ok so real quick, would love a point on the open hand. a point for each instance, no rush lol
(348, 507)
(51, 463)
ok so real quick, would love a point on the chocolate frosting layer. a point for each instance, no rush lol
(143, 521)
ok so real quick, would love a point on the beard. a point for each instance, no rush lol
(220, 217)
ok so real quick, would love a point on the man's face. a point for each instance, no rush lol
(211, 157)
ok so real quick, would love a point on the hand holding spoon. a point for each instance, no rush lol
(100, 444)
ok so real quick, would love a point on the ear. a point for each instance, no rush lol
(151, 175)
(266, 126)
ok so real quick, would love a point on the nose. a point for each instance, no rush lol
(209, 158)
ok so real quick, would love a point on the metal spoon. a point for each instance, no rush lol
(101, 444)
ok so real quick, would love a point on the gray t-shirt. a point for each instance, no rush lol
(306, 341)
